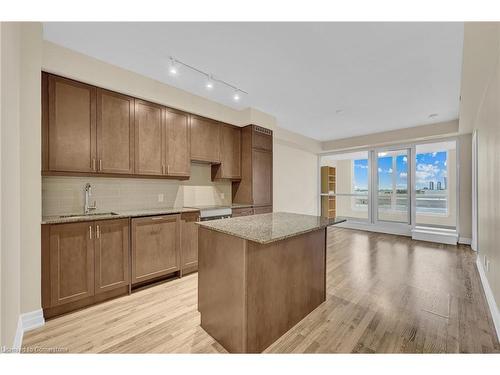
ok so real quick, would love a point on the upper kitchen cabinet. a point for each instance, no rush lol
(205, 140)
(115, 132)
(149, 139)
(178, 143)
(256, 184)
(69, 125)
(230, 154)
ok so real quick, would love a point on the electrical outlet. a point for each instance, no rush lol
(160, 197)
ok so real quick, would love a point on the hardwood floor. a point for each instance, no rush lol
(385, 294)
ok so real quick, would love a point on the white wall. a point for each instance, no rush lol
(479, 110)
(20, 168)
(295, 178)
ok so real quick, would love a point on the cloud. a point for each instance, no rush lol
(389, 170)
(405, 159)
(380, 170)
(445, 163)
(434, 154)
(436, 162)
(425, 172)
(403, 174)
(361, 166)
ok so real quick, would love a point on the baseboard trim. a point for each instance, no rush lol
(465, 240)
(437, 235)
(18, 339)
(495, 314)
(27, 322)
(398, 229)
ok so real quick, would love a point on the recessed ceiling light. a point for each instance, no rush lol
(236, 96)
(433, 115)
(339, 111)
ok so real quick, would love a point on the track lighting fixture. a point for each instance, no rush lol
(175, 64)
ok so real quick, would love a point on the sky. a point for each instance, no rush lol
(430, 167)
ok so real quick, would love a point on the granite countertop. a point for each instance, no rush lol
(117, 215)
(267, 228)
(215, 206)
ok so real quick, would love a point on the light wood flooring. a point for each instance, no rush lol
(385, 294)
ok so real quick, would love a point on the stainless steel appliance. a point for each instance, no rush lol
(214, 212)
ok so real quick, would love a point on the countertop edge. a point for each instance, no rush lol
(123, 215)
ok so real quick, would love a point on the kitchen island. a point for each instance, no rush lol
(260, 275)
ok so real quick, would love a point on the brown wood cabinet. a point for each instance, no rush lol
(91, 131)
(84, 263)
(230, 154)
(189, 242)
(111, 255)
(149, 138)
(247, 211)
(205, 140)
(71, 262)
(262, 210)
(256, 184)
(155, 247)
(115, 133)
(70, 126)
(178, 143)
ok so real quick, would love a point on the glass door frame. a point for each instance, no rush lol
(387, 226)
(409, 183)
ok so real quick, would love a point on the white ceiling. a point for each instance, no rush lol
(323, 80)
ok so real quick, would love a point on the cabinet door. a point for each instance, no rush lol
(230, 151)
(111, 255)
(72, 125)
(155, 247)
(205, 140)
(262, 174)
(115, 132)
(149, 138)
(178, 143)
(71, 262)
(189, 241)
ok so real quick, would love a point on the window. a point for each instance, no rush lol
(435, 184)
(413, 184)
(352, 176)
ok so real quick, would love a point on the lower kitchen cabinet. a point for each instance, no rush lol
(155, 247)
(189, 242)
(83, 263)
(237, 212)
(111, 255)
(263, 210)
(71, 262)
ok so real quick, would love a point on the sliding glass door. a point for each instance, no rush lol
(392, 183)
(397, 187)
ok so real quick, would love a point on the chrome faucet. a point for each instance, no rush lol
(88, 194)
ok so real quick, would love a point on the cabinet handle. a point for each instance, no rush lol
(168, 168)
(98, 232)
(90, 231)
(100, 164)
(157, 218)
(163, 169)
(93, 164)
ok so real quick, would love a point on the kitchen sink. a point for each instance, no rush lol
(89, 215)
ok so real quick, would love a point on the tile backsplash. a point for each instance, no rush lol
(65, 195)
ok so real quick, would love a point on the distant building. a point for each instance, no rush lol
(439, 185)
(431, 185)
